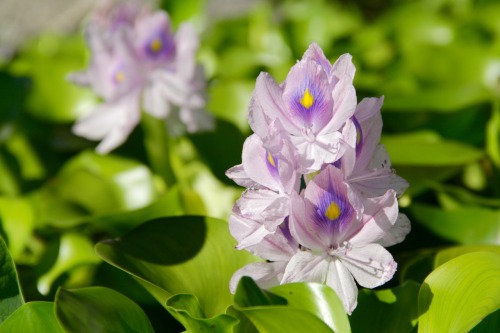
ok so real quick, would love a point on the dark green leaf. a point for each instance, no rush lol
(10, 293)
(99, 309)
(391, 310)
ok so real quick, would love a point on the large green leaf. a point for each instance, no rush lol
(466, 225)
(33, 317)
(187, 310)
(10, 293)
(426, 148)
(446, 255)
(294, 307)
(319, 299)
(390, 310)
(180, 255)
(99, 309)
(460, 293)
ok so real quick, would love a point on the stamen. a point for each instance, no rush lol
(307, 99)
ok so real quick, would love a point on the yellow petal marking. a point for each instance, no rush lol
(307, 99)
(333, 211)
(270, 159)
(119, 76)
(156, 45)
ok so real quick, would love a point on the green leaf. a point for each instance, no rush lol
(103, 184)
(47, 60)
(33, 317)
(180, 255)
(302, 299)
(75, 250)
(465, 225)
(446, 255)
(271, 319)
(99, 309)
(187, 310)
(426, 148)
(10, 292)
(318, 299)
(18, 220)
(390, 310)
(460, 293)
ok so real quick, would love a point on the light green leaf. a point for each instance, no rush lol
(10, 292)
(390, 310)
(319, 299)
(18, 220)
(47, 61)
(99, 309)
(187, 310)
(33, 317)
(466, 225)
(104, 183)
(75, 250)
(426, 148)
(289, 308)
(180, 255)
(446, 255)
(460, 293)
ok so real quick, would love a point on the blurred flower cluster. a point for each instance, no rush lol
(321, 199)
(138, 63)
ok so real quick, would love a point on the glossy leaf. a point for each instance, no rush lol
(33, 317)
(460, 293)
(187, 310)
(99, 309)
(297, 300)
(318, 299)
(390, 310)
(10, 292)
(180, 255)
(466, 225)
(426, 148)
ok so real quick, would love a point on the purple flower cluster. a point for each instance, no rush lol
(138, 63)
(321, 199)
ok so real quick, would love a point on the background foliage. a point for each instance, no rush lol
(83, 231)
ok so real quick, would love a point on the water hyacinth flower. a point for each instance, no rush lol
(320, 203)
(138, 63)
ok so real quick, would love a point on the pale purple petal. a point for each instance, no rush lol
(187, 43)
(111, 122)
(261, 165)
(341, 281)
(343, 68)
(279, 246)
(265, 274)
(380, 215)
(371, 265)
(315, 53)
(307, 96)
(268, 99)
(306, 267)
(240, 177)
(344, 105)
(397, 233)
(154, 41)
